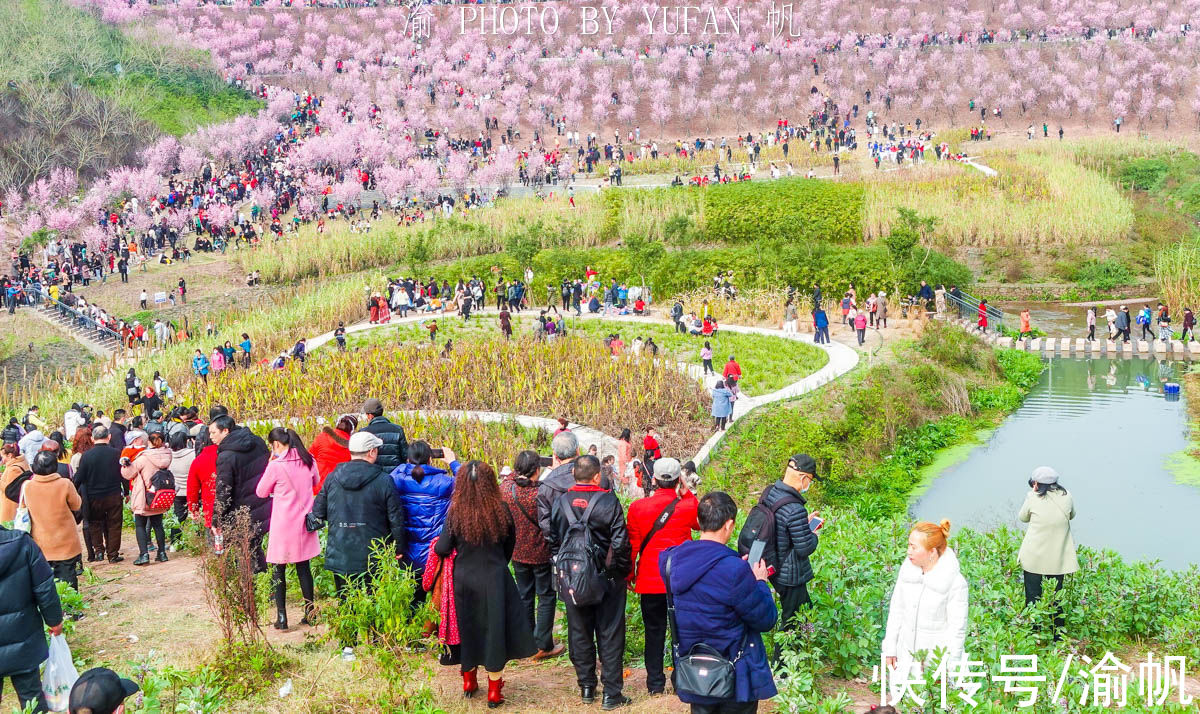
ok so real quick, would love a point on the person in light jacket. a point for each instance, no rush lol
(138, 473)
(928, 610)
(289, 480)
(722, 405)
(1047, 551)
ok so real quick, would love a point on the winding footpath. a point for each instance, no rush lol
(842, 359)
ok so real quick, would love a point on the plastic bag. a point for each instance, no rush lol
(22, 521)
(59, 675)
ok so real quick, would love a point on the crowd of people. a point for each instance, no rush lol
(560, 520)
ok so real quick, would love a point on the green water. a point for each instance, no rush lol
(1119, 444)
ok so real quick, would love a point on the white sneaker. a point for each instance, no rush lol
(347, 654)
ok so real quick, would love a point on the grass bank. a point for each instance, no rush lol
(872, 431)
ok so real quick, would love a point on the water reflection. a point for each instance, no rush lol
(1108, 428)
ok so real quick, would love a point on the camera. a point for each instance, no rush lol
(546, 460)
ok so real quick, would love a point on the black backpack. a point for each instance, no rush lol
(576, 575)
(760, 526)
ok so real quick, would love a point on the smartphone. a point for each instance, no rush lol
(437, 454)
(814, 523)
(546, 461)
(756, 552)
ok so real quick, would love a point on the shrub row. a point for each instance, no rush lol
(794, 209)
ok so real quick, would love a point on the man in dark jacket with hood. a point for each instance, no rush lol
(28, 600)
(602, 624)
(722, 601)
(361, 505)
(242, 457)
(394, 450)
(795, 539)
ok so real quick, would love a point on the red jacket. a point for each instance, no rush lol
(202, 482)
(678, 529)
(732, 367)
(329, 448)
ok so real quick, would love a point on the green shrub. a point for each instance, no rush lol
(1103, 275)
(1143, 174)
(788, 209)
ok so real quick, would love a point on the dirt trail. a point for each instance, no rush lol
(159, 613)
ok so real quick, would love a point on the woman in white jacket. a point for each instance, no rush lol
(929, 606)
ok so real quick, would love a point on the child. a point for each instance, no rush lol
(706, 358)
(432, 326)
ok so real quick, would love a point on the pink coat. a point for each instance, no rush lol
(138, 474)
(290, 484)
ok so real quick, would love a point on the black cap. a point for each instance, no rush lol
(804, 464)
(100, 691)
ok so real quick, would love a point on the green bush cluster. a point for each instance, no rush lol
(794, 209)
(1144, 174)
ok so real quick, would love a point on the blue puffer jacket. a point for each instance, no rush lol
(717, 601)
(425, 506)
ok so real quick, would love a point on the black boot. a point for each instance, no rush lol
(280, 618)
(162, 555)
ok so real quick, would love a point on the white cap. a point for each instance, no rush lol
(363, 441)
(1045, 475)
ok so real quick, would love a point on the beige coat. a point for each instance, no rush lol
(1048, 548)
(138, 475)
(50, 500)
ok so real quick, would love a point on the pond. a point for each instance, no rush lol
(1117, 442)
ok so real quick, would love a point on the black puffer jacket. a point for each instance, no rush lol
(11, 434)
(360, 504)
(610, 535)
(241, 459)
(794, 540)
(28, 602)
(395, 447)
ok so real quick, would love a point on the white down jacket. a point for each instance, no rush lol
(928, 611)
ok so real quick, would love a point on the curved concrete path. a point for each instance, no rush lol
(841, 360)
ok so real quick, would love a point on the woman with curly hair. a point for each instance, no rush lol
(492, 624)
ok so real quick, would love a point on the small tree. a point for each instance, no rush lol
(643, 255)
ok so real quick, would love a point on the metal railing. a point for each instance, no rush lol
(79, 319)
(967, 307)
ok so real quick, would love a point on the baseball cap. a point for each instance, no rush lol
(100, 691)
(363, 441)
(372, 406)
(804, 464)
(666, 469)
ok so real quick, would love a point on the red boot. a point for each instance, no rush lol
(470, 684)
(495, 698)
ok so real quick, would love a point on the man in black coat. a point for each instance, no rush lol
(98, 480)
(242, 457)
(602, 624)
(394, 448)
(795, 539)
(361, 505)
(28, 601)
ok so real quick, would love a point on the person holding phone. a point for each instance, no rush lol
(722, 601)
(424, 492)
(659, 521)
(795, 535)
